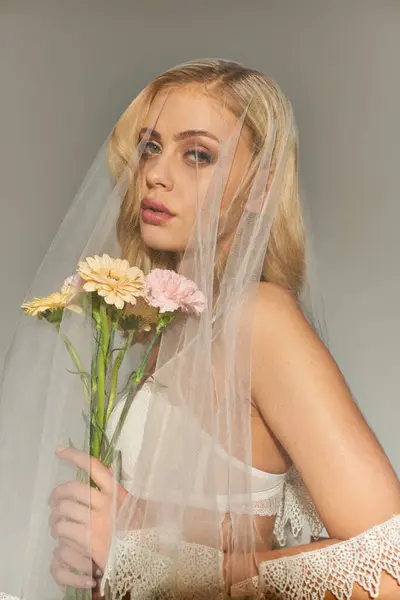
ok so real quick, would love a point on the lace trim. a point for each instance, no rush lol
(139, 567)
(295, 510)
(248, 587)
(4, 596)
(267, 507)
(336, 568)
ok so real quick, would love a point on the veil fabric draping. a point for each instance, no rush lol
(197, 512)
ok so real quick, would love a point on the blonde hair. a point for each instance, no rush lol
(264, 102)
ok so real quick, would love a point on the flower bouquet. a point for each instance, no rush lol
(122, 304)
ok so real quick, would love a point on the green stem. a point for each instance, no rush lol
(95, 358)
(136, 380)
(114, 377)
(111, 340)
(110, 450)
(163, 321)
(77, 362)
(137, 377)
(101, 379)
(105, 334)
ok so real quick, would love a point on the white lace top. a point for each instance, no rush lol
(139, 568)
(281, 495)
(142, 570)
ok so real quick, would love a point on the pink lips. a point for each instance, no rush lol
(154, 212)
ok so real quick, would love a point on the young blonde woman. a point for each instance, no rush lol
(246, 432)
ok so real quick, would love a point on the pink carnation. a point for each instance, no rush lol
(169, 291)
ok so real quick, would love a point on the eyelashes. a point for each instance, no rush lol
(201, 156)
(147, 149)
(194, 155)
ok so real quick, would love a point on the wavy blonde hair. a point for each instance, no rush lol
(264, 102)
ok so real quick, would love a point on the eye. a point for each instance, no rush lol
(148, 148)
(200, 156)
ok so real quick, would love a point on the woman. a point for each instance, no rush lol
(214, 460)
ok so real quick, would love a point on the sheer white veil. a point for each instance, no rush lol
(191, 496)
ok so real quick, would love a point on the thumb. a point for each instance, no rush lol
(100, 474)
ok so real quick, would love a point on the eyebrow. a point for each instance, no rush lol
(183, 135)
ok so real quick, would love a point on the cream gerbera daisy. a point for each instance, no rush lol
(113, 279)
(37, 306)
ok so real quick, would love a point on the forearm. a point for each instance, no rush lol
(389, 588)
(365, 566)
(294, 550)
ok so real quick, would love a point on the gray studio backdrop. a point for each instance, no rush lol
(69, 68)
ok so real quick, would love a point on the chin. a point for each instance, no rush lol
(157, 238)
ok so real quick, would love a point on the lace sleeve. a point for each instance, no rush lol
(336, 568)
(139, 568)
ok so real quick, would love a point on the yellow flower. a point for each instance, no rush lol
(40, 305)
(112, 278)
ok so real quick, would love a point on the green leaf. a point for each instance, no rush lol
(80, 373)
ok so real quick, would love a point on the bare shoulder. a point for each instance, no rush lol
(276, 311)
(284, 344)
(303, 398)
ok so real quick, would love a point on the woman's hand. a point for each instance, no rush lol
(81, 519)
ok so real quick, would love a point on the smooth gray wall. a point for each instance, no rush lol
(69, 68)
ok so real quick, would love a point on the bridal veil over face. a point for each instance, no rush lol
(191, 519)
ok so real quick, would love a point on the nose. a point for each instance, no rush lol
(159, 174)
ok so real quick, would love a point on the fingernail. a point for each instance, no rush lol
(99, 572)
(90, 583)
(59, 448)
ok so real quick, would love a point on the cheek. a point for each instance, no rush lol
(142, 176)
(188, 194)
(203, 187)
